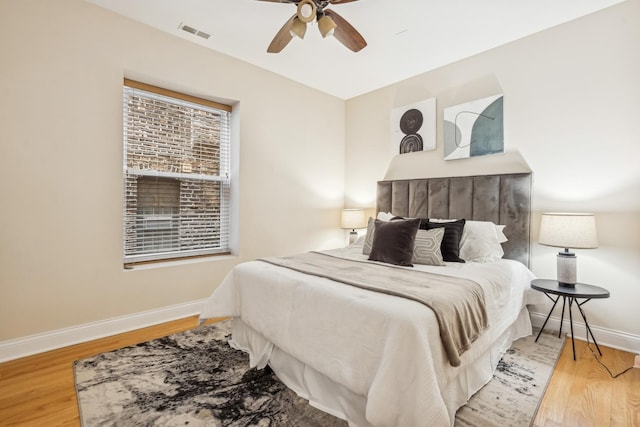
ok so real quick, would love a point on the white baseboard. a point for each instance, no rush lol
(604, 336)
(27, 346)
(33, 344)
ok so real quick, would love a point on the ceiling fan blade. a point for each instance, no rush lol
(282, 38)
(287, 1)
(345, 33)
(333, 1)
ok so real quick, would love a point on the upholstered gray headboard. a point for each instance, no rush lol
(502, 199)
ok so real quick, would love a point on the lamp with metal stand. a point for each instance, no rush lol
(352, 219)
(568, 230)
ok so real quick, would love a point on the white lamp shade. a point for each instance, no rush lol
(568, 230)
(353, 218)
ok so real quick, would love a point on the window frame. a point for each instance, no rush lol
(224, 177)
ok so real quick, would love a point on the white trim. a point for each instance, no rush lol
(38, 343)
(33, 344)
(604, 336)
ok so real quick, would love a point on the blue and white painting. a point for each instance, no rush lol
(474, 128)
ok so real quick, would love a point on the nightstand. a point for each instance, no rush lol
(570, 295)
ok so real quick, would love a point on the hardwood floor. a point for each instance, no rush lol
(39, 390)
(582, 393)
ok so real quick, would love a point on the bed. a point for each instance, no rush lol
(375, 358)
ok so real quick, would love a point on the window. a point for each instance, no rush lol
(176, 174)
(158, 209)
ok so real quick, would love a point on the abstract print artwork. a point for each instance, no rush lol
(474, 128)
(413, 127)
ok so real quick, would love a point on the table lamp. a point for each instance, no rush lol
(353, 218)
(568, 230)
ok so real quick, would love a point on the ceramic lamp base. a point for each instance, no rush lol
(567, 269)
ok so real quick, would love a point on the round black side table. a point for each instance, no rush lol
(570, 294)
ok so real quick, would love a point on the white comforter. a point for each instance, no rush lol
(379, 346)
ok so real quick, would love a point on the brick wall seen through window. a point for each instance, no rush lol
(176, 174)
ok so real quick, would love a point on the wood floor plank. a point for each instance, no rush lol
(582, 393)
(39, 390)
(590, 399)
(625, 408)
(554, 401)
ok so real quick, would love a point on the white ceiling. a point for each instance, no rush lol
(405, 37)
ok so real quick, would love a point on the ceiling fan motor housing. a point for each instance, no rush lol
(307, 11)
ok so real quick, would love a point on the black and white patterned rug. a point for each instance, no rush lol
(195, 379)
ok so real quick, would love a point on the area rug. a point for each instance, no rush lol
(195, 379)
(512, 397)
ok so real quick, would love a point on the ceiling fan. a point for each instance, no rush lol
(329, 23)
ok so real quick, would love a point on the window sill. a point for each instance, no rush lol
(148, 265)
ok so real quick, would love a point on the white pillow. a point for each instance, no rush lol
(500, 230)
(385, 216)
(481, 240)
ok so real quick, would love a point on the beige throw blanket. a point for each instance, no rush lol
(457, 303)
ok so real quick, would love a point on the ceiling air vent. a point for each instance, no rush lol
(194, 31)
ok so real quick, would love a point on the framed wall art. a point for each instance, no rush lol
(474, 128)
(413, 127)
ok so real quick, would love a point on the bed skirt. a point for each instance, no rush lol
(335, 399)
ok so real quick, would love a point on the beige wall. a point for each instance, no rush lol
(572, 115)
(572, 102)
(61, 70)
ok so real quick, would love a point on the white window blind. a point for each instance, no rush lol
(176, 174)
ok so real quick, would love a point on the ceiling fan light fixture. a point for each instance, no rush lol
(298, 28)
(307, 11)
(326, 25)
(329, 22)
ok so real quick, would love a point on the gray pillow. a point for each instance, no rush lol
(368, 239)
(426, 249)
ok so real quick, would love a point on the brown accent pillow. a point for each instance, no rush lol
(393, 241)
